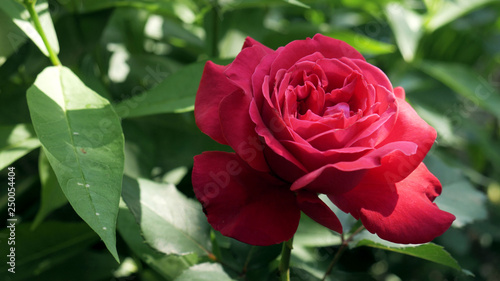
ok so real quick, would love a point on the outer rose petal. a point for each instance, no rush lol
(327, 46)
(317, 210)
(400, 212)
(214, 86)
(408, 127)
(400, 93)
(250, 206)
(343, 176)
(240, 71)
(239, 130)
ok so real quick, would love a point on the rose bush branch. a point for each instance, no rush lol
(30, 6)
(340, 251)
(284, 266)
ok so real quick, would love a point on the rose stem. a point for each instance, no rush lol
(247, 261)
(340, 251)
(284, 266)
(30, 6)
(215, 18)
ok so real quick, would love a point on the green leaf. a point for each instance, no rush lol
(169, 266)
(204, 272)
(15, 142)
(20, 16)
(363, 43)
(185, 10)
(440, 122)
(458, 197)
(166, 97)
(83, 141)
(12, 37)
(52, 196)
(46, 247)
(465, 82)
(429, 251)
(407, 28)
(170, 222)
(243, 4)
(444, 12)
(312, 234)
(87, 265)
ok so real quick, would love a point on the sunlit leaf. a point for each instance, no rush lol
(183, 9)
(170, 222)
(15, 142)
(83, 141)
(444, 12)
(240, 4)
(12, 37)
(362, 43)
(204, 272)
(407, 28)
(21, 17)
(169, 266)
(429, 251)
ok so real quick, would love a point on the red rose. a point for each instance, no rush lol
(312, 117)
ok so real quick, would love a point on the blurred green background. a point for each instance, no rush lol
(445, 53)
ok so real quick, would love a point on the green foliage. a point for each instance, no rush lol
(169, 266)
(40, 251)
(428, 251)
(117, 135)
(171, 223)
(20, 16)
(204, 272)
(82, 138)
(51, 197)
(166, 97)
(15, 142)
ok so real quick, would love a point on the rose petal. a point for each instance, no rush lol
(214, 86)
(313, 207)
(280, 160)
(373, 74)
(341, 177)
(408, 127)
(329, 180)
(314, 159)
(379, 130)
(239, 130)
(399, 92)
(247, 205)
(242, 68)
(327, 46)
(341, 137)
(250, 42)
(402, 212)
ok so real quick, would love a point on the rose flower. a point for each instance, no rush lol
(312, 117)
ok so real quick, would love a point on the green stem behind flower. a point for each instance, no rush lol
(284, 266)
(340, 251)
(215, 22)
(30, 6)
